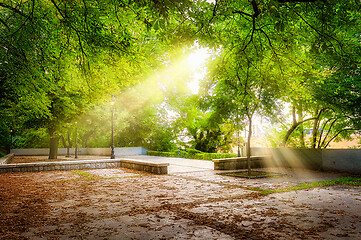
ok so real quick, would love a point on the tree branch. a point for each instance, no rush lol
(347, 129)
(328, 133)
(242, 13)
(13, 9)
(294, 126)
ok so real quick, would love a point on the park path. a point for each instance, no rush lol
(177, 165)
(192, 202)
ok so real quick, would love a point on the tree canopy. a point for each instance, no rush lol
(60, 59)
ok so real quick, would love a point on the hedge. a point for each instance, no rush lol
(192, 154)
(162, 154)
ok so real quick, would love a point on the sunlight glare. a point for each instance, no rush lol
(197, 58)
(196, 62)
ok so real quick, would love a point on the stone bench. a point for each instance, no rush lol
(151, 167)
(155, 168)
(239, 163)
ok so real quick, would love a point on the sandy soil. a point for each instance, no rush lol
(123, 204)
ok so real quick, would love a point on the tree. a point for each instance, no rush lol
(54, 51)
(269, 35)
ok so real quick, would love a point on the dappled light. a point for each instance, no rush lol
(181, 75)
(294, 161)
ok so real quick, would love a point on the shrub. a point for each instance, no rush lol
(193, 154)
(162, 154)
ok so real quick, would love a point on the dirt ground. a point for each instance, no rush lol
(124, 204)
(32, 159)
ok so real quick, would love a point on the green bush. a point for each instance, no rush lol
(193, 154)
(162, 154)
(211, 156)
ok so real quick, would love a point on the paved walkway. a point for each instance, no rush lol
(177, 165)
(192, 202)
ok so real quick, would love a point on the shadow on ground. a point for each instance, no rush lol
(124, 204)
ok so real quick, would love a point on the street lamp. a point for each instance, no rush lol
(11, 138)
(112, 155)
(76, 139)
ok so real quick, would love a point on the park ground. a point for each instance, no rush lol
(124, 204)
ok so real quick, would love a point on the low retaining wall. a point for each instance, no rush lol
(342, 160)
(337, 160)
(126, 151)
(155, 168)
(5, 159)
(238, 163)
(119, 151)
(296, 158)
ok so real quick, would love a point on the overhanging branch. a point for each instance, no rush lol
(15, 10)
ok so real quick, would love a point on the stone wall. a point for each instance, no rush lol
(337, 160)
(81, 151)
(342, 160)
(155, 168)
(295, 158)
(238, 163)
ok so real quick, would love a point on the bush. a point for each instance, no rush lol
(211, 156)
(162, 154)
(193, 154)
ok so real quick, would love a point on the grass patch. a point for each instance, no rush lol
(129, 176)
(85, 175)
(351, 181)
(89, 176)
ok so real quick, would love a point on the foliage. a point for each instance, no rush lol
(335, 114)
(162, 154)
(60, 61)
(210, 136)
(38, 138)
(59, 58)
(267, 58)
(192, 154)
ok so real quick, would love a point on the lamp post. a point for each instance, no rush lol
(76, 140)
(112, 155)
(11, 138)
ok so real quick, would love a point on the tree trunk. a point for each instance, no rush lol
(315, 130)
(249, 145)
(238, 143)
(67, 146)
(54, 141)
(294, 120)
(76, 142)
(300, 119)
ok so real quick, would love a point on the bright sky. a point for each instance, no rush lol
(196, 61)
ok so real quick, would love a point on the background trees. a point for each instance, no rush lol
(61, 61)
